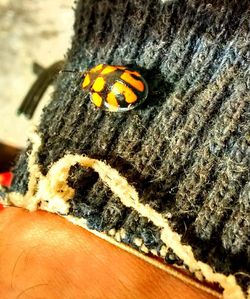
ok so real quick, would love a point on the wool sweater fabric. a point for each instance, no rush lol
(185, 150)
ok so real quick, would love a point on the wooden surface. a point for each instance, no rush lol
(44, 256)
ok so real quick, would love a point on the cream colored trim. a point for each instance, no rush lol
(52, 193)
(152, 261)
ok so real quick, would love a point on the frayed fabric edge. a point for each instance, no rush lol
(51, 193)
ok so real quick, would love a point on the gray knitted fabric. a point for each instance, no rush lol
(186, 149)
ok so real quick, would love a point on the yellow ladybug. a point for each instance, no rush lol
(115, 88)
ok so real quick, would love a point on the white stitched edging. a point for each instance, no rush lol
(52, 193)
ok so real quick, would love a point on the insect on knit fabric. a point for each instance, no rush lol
(169, 178)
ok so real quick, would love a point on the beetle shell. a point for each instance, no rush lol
(115, 88)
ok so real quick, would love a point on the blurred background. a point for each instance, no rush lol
(31, 31)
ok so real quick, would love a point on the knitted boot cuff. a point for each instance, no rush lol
(170, 178)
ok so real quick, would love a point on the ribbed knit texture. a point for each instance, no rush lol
(186, 150)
